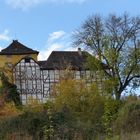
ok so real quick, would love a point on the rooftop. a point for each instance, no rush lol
(65, 59)
(16, 48)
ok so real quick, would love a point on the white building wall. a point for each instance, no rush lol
(34, 83)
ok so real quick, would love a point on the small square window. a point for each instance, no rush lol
(27, 60)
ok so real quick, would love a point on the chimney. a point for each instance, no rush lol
(79, 51)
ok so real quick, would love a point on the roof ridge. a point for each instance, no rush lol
(64, 51)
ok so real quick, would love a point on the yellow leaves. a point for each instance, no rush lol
(70, 92)
(33, 105)
(8, 110)
(82, 100)
(108, 85)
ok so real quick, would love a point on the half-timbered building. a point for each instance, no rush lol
(35, 79)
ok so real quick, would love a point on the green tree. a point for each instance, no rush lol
(111, 109)
(115, 42)
(9, 90)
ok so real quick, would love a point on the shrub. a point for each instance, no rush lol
(7, 109)
(29, 123)
(84, 105)
(9, 91)
(111, 109)
(128, 120)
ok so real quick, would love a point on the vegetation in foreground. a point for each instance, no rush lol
(76, 114)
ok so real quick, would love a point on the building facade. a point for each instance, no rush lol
(35, 79)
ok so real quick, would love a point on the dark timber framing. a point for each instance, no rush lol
(36, 79)
(28, 79)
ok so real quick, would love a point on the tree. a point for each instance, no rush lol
(9, 90)
(115, 40)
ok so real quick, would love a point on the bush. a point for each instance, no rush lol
(84, 106)
(111, 109)
(128, 120)
(29, 123)
(9, 91)
(7, 109)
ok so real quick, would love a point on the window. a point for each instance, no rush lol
(82, 74)
(27, 60)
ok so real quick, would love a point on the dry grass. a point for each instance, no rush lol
(18, 136)
(132, 136)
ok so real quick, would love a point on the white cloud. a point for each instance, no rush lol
(26, 4)
(56, 41)
(56, 35)
(23, 4)
(44, 54)
(1, 48)
(4, 36)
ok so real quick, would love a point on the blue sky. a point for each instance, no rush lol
(47, 25)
